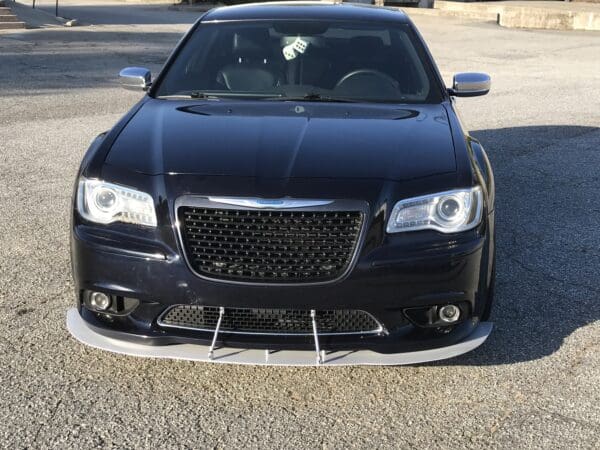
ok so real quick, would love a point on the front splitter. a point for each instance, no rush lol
(194, 352)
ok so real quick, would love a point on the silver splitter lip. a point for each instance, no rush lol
(193, 352)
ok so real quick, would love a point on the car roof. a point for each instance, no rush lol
(306, 11)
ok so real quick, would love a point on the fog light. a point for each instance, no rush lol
(99, 301)
(449, 313)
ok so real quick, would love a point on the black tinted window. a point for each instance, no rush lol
(346, 60)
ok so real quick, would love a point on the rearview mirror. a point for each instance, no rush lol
(135, 78)
(470, 84)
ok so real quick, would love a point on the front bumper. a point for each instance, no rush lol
(227, 355)
(381, 283)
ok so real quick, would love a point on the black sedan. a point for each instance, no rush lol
(294, 187)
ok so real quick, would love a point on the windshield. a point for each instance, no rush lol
(312, 60)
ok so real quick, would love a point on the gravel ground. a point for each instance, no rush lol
(535, 383)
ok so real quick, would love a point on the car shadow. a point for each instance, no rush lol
(548, 240)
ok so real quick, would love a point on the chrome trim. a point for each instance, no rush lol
(268, 203)
(198, 201)
(135, 78)
(160, 323)
(80, 330)
(470, 84)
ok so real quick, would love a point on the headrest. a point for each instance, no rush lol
(252, 42)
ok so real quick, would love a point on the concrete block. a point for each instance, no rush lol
(11, 25)
(8, 18)
(550, 20)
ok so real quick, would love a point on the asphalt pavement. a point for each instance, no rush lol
(533, 384)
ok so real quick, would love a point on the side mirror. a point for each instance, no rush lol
(470, 84)
(135, 78)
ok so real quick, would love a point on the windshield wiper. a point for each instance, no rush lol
(193, 95)
(215, 95)
(316, 97)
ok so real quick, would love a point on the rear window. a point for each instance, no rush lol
(355, 61)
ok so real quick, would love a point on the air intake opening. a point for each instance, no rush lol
(269, 321)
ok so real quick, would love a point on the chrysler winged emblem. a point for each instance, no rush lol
(263, 203)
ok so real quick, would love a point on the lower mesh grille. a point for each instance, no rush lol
(270, 321)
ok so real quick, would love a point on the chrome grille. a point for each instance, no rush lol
(269, 246)
(269, 321)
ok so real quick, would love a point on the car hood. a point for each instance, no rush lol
(272, 139)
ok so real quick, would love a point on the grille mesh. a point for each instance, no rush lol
(269, 246)
(277, 321)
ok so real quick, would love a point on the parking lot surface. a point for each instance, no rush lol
(534, 383)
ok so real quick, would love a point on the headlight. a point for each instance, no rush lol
(102, 202)
(448, 212)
